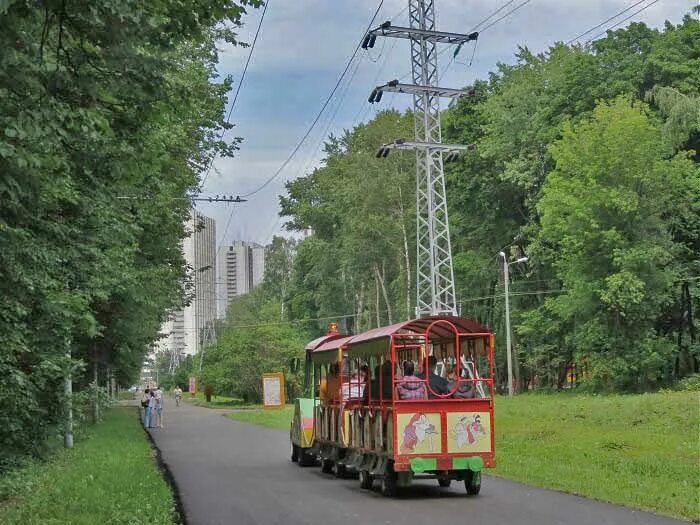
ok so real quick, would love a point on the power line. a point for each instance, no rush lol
(494, 13)
(605, 21)
(238, 90)
(622, 21)
(318, 116)
(520, 5)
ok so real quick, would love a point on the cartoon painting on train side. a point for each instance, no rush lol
(408, 401)
(419, 433)
(469, 432)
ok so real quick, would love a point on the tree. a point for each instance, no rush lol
(100, 101)
(605, 232)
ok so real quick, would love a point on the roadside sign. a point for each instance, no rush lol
(193, 386)
(273, 390)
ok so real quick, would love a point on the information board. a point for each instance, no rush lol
(273, 390)
(193, 386)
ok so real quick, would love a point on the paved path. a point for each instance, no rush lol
(230, 472)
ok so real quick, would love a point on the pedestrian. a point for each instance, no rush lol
(159, 406)
(178, 395)
(145, 403)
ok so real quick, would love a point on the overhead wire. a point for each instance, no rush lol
(238, 90)
(622, 21)
(605, 21)
(319, 114)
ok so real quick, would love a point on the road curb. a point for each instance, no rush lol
(167, 474)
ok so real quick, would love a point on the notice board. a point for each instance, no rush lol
(273, 390)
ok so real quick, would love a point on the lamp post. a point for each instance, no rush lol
(509, 351)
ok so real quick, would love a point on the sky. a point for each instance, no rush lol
(304, 46)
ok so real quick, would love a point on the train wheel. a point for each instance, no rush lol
(305, 459)
(444, 482)
(295, 453)
(472, 482)
(366, 480)
(327, 466)
(339, 470)
(390, 485)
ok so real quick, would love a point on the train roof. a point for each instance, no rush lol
(313, 345)
(414, 326)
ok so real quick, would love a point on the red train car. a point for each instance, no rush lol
(408, 401)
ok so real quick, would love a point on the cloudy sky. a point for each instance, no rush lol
(303, 47)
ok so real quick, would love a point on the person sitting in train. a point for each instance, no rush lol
(411, 387)
(438, 385)
(354, 388)
(464, 389)
(329, 388)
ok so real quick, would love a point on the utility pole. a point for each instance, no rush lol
(435, 289)
(509, 350)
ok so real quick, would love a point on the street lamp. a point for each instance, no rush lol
(509, 356)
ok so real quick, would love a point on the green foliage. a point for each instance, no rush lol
(360, 261)
(99, 100)
(110, 477)
(252, 342)
(572, 169)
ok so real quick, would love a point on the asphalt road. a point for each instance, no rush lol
(229, 472)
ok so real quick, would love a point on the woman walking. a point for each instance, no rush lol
(147, 411)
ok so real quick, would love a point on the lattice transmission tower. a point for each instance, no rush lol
(435, 276)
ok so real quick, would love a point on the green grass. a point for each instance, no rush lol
(216, 401)
(273, 418)
(125, 395)
(638, 450)
(109, 478)
(641, 451)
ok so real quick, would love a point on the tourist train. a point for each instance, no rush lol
(409, 401)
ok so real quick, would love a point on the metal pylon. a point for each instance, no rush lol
(435, 277)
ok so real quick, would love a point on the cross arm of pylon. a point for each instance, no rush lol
(452, 151)
(442, 37)
(395, 86)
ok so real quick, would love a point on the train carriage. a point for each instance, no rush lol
(363, 413)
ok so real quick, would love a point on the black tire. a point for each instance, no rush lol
(306, 459)
(366, 480)
(472, 482)
(444, 482)
(327, 466)
(339, 470)
(295, 453)
(390, 485)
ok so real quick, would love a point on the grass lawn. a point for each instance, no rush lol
(109, 478)
(273, 418)
(216, 401)
(637, 450)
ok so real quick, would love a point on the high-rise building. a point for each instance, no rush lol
(187, 328)
(241, 267)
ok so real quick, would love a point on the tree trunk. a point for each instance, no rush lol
(95, 403)
(380, 278)
(407, 259)
(360, 307)
(376, 295)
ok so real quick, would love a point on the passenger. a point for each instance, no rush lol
(354, 388)
(387, 387)
(411, 387)
(438, 384)
(464, 389)
(329, 389)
